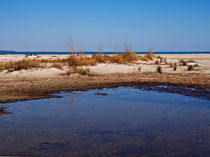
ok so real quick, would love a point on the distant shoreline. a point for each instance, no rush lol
(92, 52)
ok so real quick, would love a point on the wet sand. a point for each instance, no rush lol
(17, 89)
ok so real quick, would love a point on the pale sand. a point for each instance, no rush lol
(203, 60)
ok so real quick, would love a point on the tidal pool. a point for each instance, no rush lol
(123, 121)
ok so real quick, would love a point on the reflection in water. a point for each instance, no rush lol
(198, 93)
(3, 111)
(100, 93)
(73, 97)
(125, 122)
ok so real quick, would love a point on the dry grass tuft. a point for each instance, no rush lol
(159, 69)
(182, 62)
(156, 62)
(139, 69)
(150, 55)
(100, 58)
(57, 65)
(82, 71)
(190, 68)
(175, 66)
(128, 57)
(20, 65)
(80, 61)
(71, 61)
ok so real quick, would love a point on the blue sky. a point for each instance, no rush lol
(46, 25)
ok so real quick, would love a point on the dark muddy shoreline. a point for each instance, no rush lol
(19, 89)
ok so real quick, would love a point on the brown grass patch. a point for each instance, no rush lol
(125, 58)
(57, 65)
(75, 70)
(75, 61)
(159, 70)
(20, 65)
(71, 61)
(149, 56)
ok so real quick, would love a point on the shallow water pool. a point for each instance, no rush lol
(123, 121)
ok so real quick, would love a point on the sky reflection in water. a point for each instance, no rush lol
(125, 122)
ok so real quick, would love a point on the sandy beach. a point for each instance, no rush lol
(41, 82)
(203, 60)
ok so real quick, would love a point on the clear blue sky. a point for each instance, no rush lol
(46, 25)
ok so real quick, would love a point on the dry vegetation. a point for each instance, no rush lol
(19, 65)
(71, 61)
(73, 64)
(126, 58)
(76, 70)
(159, 70)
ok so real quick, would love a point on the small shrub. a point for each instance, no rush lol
(20, 65)
(58, 66)
(80, 61)
(165, 60)
(191, 61)
(143, 58)
(171, 65)
(156, 62)
(100, 58)
(150, 55)
(159, 69)
(190, 67)
(75, 70)
(139, 69)
(117, 59)
(129, 56)
(26, 55)
(183, 62)
(175, 67)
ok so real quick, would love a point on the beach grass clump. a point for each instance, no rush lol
(175, 67)
(99, 58)
(20, 65)
(57, 65)
(129, 57)
(150, 55)
(159, 70)
(81, 71)
(116, 59)
(44, 61)
(156, 62)
(71, 61)
(139, 69)
(190, 68)
(125, 58)
(191, 61)
(171, 65)
(74, 61)
(182, 62)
